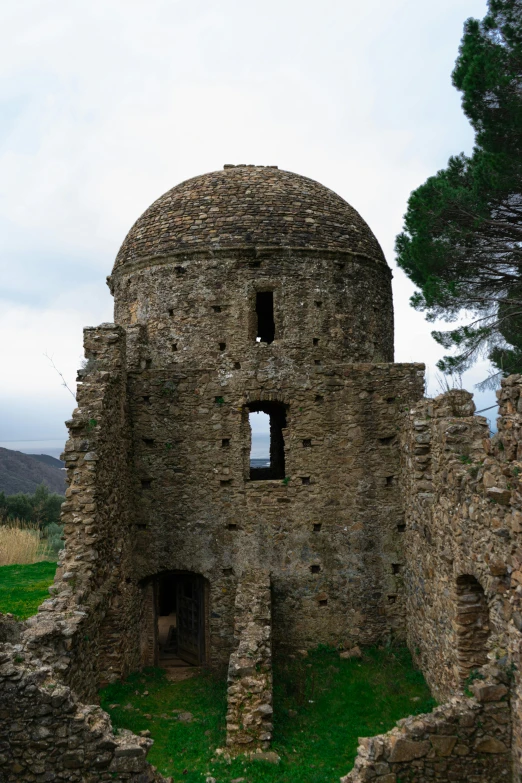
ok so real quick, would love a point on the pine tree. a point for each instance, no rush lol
(462, 238)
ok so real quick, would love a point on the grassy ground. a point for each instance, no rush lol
(24, 587)
(322, 705)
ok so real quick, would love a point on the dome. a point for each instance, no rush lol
(247, 207)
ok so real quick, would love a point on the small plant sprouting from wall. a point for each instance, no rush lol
(168, 389)
(91, 424)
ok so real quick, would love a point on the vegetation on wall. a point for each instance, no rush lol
(461, 243)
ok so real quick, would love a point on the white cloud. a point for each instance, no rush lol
(107, 104)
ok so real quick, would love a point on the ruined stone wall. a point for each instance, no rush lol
(463, 503)
(71, 631)
(330, 532)
(466, 740)
(249, 694)
(47, 734)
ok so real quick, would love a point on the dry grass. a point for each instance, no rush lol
(20, 543)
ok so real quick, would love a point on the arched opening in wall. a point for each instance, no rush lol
(176, 620)
(471, 624)
(267, 450)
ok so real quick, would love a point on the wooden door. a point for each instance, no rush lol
(190, 619)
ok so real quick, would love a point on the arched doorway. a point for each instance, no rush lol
(471, 625)
(180, 619)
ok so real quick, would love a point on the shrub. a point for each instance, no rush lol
(53, 534)
(42, 508)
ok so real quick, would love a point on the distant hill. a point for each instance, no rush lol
(55, 463)
(24, 472)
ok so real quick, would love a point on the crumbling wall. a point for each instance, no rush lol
(249, 695)
(47, 734)
(467, 740)
(68, 632)
(463, 517)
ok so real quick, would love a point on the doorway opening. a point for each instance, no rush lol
(265, 317)
(272, 467)
(180, 619)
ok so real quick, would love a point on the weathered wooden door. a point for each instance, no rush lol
(190, 619)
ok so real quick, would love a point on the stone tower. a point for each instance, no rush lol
(247, 289)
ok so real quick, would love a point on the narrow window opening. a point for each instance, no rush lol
(237, 365)
(146, 484)
(318, 304)
(392, 599)
(148, 364)
(148, 441)
(146, 399)
(323, 602)
(316, 341)
(305, 480)
(232, 526)
(225, 443)
(319, 398)
(171, 312)
(222, 346)
(389, 481)
(265, 317)
(267, 455)
(255, 264)
(396, 568)
(315, 569)
(389, 400)
(216, 308)
(317, 362)
(228, 572)
(174, 346)
(401, 527)
(307, 443)
(317, 527)
(180, 270)
(226, 482)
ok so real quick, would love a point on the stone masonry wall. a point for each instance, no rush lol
(330, 533)
(47, 735)
(67, 633)
(463, 517)
(249, 695)
(466, 740)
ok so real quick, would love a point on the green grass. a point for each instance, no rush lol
(322, 704)
(24, 587)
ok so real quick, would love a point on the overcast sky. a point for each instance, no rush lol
(106, 104)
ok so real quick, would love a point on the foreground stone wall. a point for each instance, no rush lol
(467, 740)
(249, 695)
(47, 734)
(463, 517)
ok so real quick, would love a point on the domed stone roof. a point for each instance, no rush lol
(248, 206)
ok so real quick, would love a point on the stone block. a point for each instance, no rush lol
(403, 749)
(442, 745)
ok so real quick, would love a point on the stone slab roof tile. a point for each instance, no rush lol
(248, 206)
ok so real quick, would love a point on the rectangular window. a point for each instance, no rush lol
(267, 457)
(265, 316)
